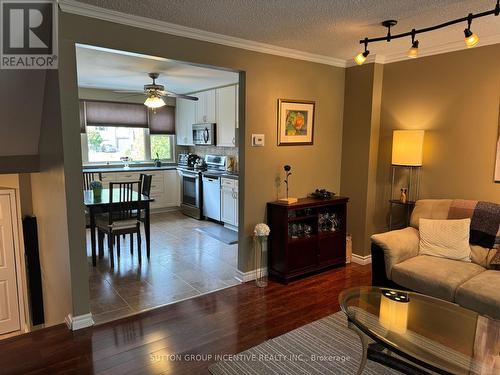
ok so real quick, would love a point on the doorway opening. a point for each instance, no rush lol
(167, 133)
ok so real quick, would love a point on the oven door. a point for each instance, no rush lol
(190, 189)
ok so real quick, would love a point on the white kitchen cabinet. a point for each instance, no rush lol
(165, 185)
(172, 189)
(204, 107)
(229, 202)
(226, 113)
(184, 120)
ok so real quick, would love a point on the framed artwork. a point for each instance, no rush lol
(295, 122)
(497, 164)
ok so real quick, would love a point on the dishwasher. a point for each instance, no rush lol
(211, 197)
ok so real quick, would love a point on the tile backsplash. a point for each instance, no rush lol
(212, 150)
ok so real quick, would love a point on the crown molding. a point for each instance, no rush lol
(87, 10)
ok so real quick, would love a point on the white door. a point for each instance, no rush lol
(9, 299)
(226, 116)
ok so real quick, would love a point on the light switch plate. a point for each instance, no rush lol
(258, 140)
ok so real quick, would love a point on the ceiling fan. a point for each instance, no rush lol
(155, 93)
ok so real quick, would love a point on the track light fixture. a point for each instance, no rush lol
(413, 51)
(361, 57)
(471, 39)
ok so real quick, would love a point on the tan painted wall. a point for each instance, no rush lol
(363, 91)
(50, 208)
(455, 97)
(267, 78)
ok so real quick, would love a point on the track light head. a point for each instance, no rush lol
(471, 39)
(361, 57)
(413, 51)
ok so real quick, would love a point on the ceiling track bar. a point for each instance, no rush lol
(468, 18)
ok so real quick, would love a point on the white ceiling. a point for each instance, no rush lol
(118, 70)
(325, 27)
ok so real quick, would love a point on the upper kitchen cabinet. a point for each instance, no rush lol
(185, 118)
(227, 112)
(205, 107)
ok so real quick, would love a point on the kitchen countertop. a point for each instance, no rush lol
(231, 175)
(130, 169)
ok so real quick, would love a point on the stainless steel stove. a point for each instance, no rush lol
(191, 168)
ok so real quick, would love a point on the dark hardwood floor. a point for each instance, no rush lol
(228, 321)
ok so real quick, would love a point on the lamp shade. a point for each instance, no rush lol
(407, 147)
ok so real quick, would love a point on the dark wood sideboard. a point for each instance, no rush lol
(306, 237)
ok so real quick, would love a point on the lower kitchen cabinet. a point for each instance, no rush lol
(229, 202)
(165, 185)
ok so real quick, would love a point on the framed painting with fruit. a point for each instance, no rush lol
(295, 122)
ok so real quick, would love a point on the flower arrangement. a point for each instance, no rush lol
(261, 230)
(94, 185)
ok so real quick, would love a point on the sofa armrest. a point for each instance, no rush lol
(397, 245)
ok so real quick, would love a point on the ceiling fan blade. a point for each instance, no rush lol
(180, 96)
(129, 91)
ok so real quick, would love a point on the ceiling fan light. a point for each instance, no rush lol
(361, 57)
(154, 102)
(471, 39)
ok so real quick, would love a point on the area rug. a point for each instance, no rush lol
(228, 236)
(325, 346)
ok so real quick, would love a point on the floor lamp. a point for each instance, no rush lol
(407, 154)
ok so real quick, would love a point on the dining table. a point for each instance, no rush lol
(96, 206)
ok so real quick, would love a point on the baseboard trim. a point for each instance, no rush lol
(75, 323)
(358, 259)
(244, 277)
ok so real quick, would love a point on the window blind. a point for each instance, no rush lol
(101, 113)
(162, 120)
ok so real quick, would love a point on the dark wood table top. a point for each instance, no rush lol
(89, 200)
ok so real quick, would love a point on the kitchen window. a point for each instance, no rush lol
(111, 131)
(108, 144)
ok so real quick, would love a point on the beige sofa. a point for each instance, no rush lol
(396, 264)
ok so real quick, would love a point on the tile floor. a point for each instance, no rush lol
(184, 263)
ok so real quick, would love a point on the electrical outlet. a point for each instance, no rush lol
(258, 140)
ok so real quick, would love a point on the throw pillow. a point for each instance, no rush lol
(445, 238)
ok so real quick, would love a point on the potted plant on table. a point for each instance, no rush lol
(96, 187)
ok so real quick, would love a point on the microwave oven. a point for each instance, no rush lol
(204, 134)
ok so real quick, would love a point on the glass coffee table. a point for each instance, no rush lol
(418, 334)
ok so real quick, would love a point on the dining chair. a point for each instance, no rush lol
(122, 218)
(146, 180)
(88, 177)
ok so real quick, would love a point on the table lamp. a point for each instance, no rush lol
(393, 313)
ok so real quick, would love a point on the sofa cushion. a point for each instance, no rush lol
(436, 209)
(437, 277)
(445, 238)
(481, 294)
